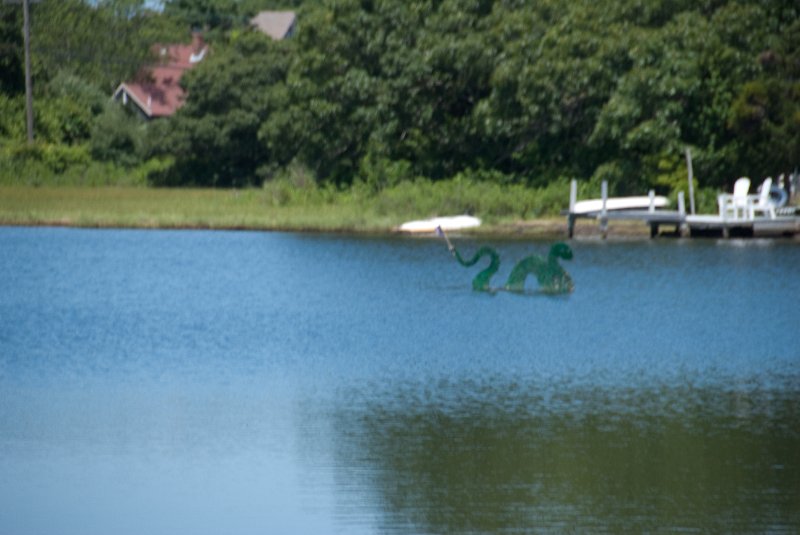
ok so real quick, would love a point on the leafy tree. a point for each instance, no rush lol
(558, 66)
(505, 91)
(528, 92)
(79, 102)
(214, 137)
(11, 54)
(89, 42)
(396, 79)
(205, 14)
(677, 94)
(117, 136)
(765, 114)
(328, 101)
(12, 117)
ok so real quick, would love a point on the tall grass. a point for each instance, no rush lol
(493, 202)
(165, 208)
(422, 198)
(292, 202)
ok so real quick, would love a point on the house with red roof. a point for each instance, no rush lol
(157, 92)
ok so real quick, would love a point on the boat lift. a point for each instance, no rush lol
(651, 210)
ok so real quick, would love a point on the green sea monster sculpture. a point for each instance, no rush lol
(548, 272)
(482, 279)
(552, 278)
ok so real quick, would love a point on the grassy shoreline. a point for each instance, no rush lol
(252, 209)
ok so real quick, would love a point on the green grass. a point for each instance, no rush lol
(280, 205)
(152, 208)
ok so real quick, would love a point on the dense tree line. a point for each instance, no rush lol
(381, 91)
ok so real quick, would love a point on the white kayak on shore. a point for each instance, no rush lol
(445, 223)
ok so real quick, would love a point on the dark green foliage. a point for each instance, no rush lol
(99, 44)
(765, 114)
(11, 54)
(118, 137)
(53, 158)
(532, 92)
(204, 14)
(215, 137)
(375, 93)
(12, 117)
(75, 105)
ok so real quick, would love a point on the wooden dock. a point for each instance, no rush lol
(786, 223)
(713, 225)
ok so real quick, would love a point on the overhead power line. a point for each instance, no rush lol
(82, 55)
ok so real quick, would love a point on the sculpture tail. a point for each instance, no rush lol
(441, 234)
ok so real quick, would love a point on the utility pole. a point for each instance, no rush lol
(28, 85)
(26, 35)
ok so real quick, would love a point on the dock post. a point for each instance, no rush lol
(683, 227)
(691, 179)
(573, 195)
(652, 209)
(604, 212)
(573, 198)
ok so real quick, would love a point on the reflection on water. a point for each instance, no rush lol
(229, 382)
(496, 457)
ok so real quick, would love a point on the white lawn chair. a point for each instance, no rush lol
(761, 202)
(735, 205)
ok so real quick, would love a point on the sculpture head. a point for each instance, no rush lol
(561, 250)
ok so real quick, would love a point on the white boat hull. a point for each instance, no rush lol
(592, 206)
(446, 224)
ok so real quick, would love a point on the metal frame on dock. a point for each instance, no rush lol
(687, 225)
(652, 216)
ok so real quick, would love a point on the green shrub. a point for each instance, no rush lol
(705, 201)
(117, 137)
(12, 117)
(460, 195)
(44, 164)
(295, 185)
(379, 173)
(54, 157)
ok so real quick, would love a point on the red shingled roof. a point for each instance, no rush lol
(157, 92)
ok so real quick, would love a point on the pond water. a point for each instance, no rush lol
(168, 382)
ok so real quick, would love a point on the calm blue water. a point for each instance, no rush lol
(243, 382)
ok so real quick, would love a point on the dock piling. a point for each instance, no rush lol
(683, 228)
(604, 210)
(691, 179)
(651, 210)
(573, 198)
(573, 195)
